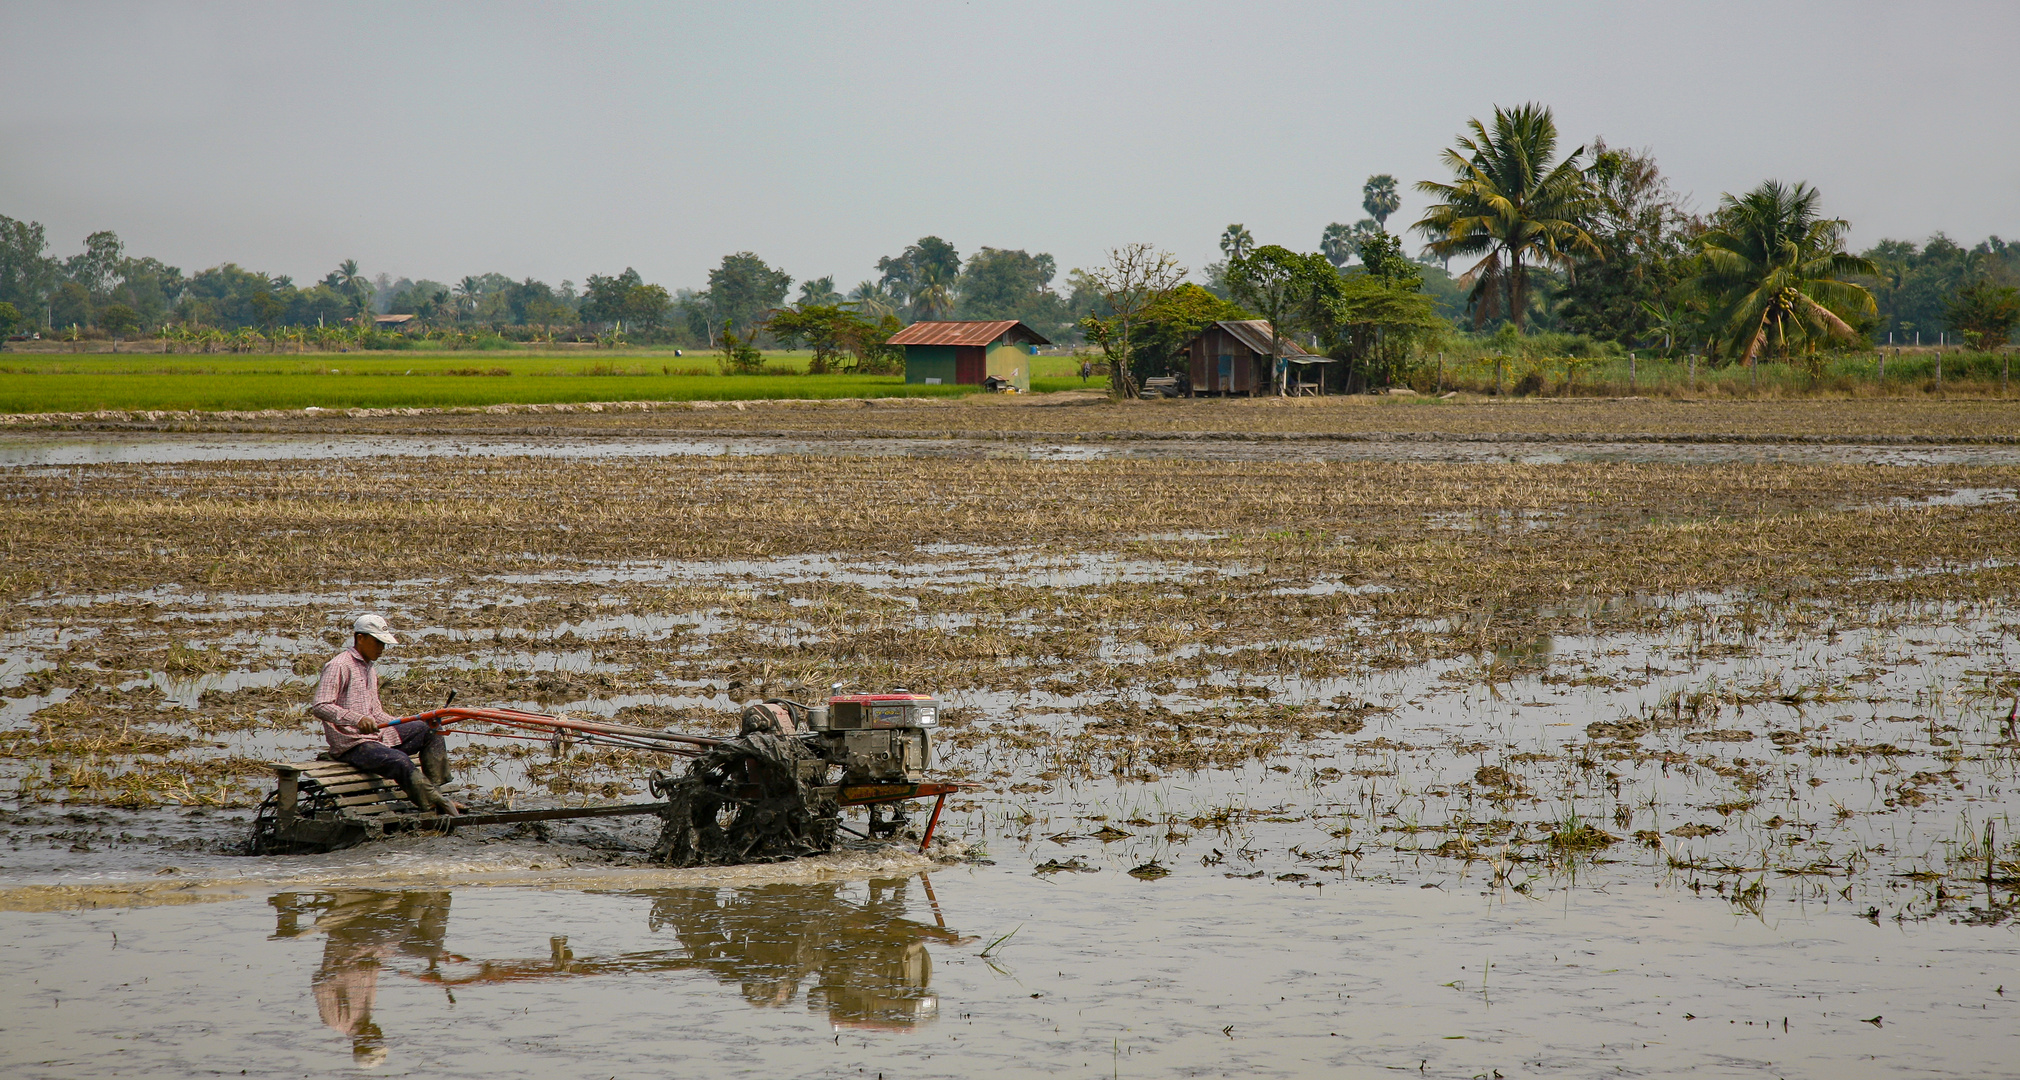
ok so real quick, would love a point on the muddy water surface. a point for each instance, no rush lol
(1257, 799)
(912, 976)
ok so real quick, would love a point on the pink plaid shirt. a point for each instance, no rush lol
(349, 692)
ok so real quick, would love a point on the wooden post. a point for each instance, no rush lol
(1497, 376)
(286, 797)
(1693, 373)
(1939, 371)
(1441, 374)
(1630, 374)
(1883, 369)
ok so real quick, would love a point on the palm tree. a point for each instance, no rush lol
(872, 300)
(1379, 199)
(932, 297)
(1337, 244)
(1236, 242)
(467, 291)
(1510, 204)
(1774, 271)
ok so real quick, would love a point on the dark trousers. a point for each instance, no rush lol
(394, 764)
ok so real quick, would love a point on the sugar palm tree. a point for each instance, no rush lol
(1774, 270)
(1337, 244)
(1509, 203)
(1379, 198)
(1236, 241)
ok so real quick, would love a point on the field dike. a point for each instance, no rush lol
(1761, 682)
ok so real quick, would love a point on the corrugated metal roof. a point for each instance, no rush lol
(1255, 333)
(961, 333)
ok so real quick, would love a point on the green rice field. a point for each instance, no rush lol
(46, 383)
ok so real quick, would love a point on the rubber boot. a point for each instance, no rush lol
(435, 763)
(423, 795)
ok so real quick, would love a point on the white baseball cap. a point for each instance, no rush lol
(375, 625)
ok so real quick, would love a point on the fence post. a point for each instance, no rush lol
(1630, 374)
(1497, 376)
(1441, 374)
(1693, 373)
(1939, 371)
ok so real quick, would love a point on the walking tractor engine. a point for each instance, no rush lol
(778, 789)
(775, 791)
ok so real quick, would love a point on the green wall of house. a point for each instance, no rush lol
(923, 362)
(1011, 362)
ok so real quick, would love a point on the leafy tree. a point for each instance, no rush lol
(97, 266)
(901, 275)
(1167, 325)
(603, 297)
(1644, 237)
(1774, 271)
(1378, 316)
(831, 330)
(1002, 284)
(27, 273)
(118, 319)
(1279, 284)
(70, 305)
(1984, 314)
(1236, 241)
(744, 290)
(10, 317)
(1509, 203)
(1137, 276)
(645, 306)
(265, 308)
(818, 292)
(1915, 282)
(1379, 199)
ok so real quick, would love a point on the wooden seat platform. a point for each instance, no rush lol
(325, 805)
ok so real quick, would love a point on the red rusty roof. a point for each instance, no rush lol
(962, 333)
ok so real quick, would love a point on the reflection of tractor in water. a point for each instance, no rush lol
(775, 791)
(863, 963)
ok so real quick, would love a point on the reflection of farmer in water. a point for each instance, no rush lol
(365, 931)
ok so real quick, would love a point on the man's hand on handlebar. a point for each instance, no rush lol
(367, 725)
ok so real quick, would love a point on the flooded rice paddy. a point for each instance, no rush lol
(1291, 765)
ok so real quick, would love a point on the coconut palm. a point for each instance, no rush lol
(872, 300)
(932, 294)
(1379, 198)
(1236, 241)
(1510, 204)
(1774, 271)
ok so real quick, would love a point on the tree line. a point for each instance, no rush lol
(1591, 242)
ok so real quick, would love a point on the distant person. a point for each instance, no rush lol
(362, 734)
(1086, 371)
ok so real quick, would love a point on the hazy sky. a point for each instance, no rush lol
(556, 141)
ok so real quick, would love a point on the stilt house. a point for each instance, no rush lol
(1233, 356)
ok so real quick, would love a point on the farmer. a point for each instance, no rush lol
(362, 734)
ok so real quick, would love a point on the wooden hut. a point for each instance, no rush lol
(1234, 356)
(969, 352)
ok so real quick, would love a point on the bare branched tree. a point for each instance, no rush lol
(1136, 276)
